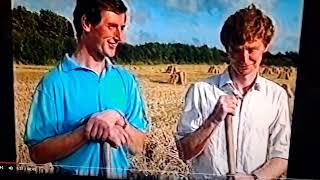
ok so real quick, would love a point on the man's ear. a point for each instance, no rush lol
(86, 26)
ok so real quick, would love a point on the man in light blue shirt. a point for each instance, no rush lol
(87, 116)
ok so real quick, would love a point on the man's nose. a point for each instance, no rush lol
(118, 34)
(244, 56)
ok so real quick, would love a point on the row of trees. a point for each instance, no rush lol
(279, 59)
(40, 38)
(44, 38)
(156, 53)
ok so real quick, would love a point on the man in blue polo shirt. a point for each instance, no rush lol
(87, 115)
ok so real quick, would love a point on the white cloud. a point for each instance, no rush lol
(229, 6)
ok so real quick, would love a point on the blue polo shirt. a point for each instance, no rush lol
(70, 93)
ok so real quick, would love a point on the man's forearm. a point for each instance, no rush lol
(136, 139)
(193, 144)
(272, 169)
(58, 147)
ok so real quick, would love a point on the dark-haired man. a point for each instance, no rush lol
(261, 125)
(87, 115)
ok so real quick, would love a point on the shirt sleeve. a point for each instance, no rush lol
(136, 112)
(191, 118)
(42, 119)
(280, 131)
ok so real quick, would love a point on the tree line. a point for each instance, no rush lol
(43, 38)
(171, 53)
(40, 38)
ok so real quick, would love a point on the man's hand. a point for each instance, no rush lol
(117, 136)
(102, 124)
(226, 104)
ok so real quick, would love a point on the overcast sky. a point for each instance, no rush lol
(196, 22)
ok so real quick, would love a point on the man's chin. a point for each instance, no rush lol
(244, 72)
(110, 54)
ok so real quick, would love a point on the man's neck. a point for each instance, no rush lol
(243, 83)
(84, 57)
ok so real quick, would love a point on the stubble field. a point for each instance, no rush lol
(164, 102)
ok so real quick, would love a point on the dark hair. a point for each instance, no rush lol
(247, 24)
(91, 9)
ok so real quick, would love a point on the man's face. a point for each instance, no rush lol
(105, 37)
(246, 59)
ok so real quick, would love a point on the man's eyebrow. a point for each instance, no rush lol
(253, 46)
(112, 24)
(115, 25)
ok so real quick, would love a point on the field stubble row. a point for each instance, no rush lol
(164, 106)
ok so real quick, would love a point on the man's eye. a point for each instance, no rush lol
(252, 50)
